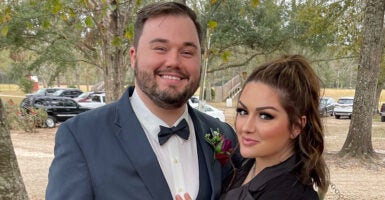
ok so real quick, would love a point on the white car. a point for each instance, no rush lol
(210, 110)
(193, 101)
(343, 107)
(97, 100)
(84, 97)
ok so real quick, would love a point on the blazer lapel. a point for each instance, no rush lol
(213, 167)
(134, 142)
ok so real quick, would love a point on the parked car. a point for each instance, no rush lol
(344, 107)
(96, 100)
(212, 111)
(44, 92)
(58, 109)
(194, 101)
(382, 112)
(68, 92)
(326, 106)
(84, 97)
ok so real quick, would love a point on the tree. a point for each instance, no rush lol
(11, 182)
(108, 32)
(358, 143)
(54, 36)
(60, 34)
(31, 39)
(245, 32)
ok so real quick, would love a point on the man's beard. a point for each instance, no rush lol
(167, 98)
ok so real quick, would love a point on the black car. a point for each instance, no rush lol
(58, 109)
(326, 106)
(44, 92)
(68, 92)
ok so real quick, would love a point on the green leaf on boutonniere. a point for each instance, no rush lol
(222, 147)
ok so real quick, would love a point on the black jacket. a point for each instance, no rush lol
(273, 183)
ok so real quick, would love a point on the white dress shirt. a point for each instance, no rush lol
(178, 158)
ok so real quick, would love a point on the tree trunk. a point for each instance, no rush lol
(115, 74)
(11, 182)
(87, 77)
(115, 55)
(358, 143)
(77, 76)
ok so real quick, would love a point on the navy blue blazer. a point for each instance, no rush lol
(104, 154)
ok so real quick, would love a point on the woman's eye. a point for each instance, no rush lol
(265, 116)
(241, 111)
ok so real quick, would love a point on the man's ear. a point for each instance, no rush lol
(132, 57)
(297, 130)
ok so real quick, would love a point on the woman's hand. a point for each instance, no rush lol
(186, 197)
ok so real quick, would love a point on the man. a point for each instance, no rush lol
(115, 152)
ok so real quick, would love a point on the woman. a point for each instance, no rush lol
(280, 132)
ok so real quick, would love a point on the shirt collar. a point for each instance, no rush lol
(145, 116)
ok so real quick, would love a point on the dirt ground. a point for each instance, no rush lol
(350, 179)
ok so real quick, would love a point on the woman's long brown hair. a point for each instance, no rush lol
(299, 91)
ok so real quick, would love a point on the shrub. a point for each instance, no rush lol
(26, 120)
(212, 93)
(26, 85)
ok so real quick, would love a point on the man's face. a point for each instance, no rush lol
(167, 61)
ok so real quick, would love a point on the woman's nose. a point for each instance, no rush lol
(248, 125)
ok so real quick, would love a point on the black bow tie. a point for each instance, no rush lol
(181, 129)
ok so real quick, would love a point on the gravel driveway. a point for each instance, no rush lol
(351, 180)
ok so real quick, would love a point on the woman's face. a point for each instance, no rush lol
(262, 124)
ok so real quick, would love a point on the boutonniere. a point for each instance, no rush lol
(223, 149)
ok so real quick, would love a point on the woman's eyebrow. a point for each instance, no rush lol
(259, 108)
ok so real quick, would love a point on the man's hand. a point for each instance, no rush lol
(186, 197)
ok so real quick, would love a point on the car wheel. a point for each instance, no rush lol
(50, 122)
(382, 118)
(337, 116)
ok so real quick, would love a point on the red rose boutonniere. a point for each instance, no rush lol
(222, 146)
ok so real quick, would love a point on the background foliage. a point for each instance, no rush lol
(55, 38)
